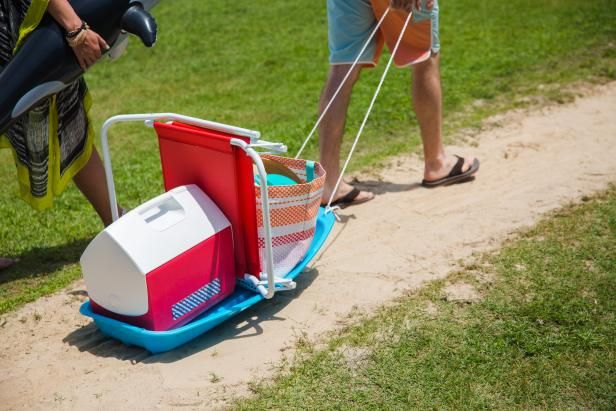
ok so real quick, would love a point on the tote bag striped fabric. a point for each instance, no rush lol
(294, 210)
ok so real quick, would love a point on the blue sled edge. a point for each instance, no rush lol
(162, 341)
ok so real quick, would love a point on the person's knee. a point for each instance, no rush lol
(429, 67)
(337, 74)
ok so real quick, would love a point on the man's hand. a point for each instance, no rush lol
(408, 5)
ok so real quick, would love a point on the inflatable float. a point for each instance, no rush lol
(45, 64)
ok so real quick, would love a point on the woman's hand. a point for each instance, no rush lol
(90, 50)
(408, 5)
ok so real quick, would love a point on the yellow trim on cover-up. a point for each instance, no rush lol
(56, 183)
(33, 17)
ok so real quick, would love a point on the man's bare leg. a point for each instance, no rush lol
(332, 129)
(427, 101)
(92, 183)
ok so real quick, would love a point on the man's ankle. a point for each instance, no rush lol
(435, 163)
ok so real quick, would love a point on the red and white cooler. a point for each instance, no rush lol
(163, 263)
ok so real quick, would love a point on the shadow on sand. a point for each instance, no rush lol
(245, 325)
(383, 187)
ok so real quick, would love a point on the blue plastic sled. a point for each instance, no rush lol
(240, 300)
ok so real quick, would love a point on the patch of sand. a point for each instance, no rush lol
(461, 292)
(53, 358)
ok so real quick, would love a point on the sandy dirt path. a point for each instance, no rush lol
(52, 358)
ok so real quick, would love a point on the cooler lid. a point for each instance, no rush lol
(167, 226)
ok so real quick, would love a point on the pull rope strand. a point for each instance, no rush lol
(361, 129)
(346, 77)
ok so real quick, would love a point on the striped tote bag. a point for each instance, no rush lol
(293, 213)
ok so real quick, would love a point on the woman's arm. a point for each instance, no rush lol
(91, 45)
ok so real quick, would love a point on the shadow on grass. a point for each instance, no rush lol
(43, 260)
(245, 325)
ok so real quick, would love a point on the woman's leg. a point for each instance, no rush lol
(92, 183)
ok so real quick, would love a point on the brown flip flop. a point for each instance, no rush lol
(350, 199)
(455, 175)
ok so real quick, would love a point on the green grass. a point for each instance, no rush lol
(261, 65)
(542, 337)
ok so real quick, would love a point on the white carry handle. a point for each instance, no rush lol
(149, 119)
(164, 213)
(267, 225)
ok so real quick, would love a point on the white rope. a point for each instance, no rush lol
(342, 83)
(363, 124)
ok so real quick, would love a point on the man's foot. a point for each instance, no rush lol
(348, 196)
(455, 169)
(6, 262)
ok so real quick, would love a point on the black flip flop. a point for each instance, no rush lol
(455, 175)
(349, 199)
